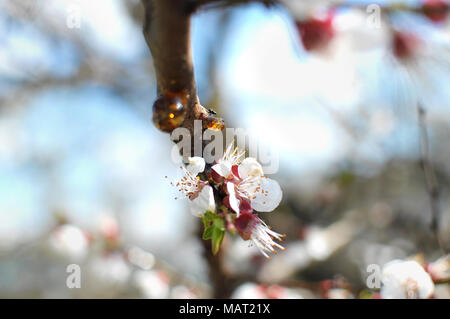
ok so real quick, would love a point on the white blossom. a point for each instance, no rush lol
(251, 227)
(246, 180)
(153, 284)
(199, 193)
(69, 241)
(405, 280)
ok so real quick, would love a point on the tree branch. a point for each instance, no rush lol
(167, 33)
(196, 4)
(430, 177)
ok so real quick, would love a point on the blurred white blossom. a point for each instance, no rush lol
(110, 270)
(141, 258)
(182, 292)
(440, 269)
(69, 241)
(256, 291)
(405, 280)
(152, 284)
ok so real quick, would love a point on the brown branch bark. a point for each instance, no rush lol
(220, 278)
(167, 33)
(196, 4)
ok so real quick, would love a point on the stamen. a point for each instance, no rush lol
(189, 185)
(263, 238)
(233, 154)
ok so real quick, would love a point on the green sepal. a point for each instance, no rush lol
(217, 235)
(208, 233)
(214, 229)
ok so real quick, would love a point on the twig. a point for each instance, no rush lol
(430, 177)
(212, 4)
(220, 278)
(167, 33)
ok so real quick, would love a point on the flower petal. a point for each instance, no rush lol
(223, 168)
(269, 197)
(405, 279)
(235, 171)
(250, 166)
(203, 202)
(196, 165)
(245, 206)
(234, 202)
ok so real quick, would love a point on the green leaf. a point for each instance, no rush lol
(214, 229)
(218, 234)
(218, 222)
(216, 240)
(208, 232)
(365, 294)
(207, 219)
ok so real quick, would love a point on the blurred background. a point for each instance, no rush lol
(82, 167)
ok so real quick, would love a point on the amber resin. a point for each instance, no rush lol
(169, 111)
(213, 123)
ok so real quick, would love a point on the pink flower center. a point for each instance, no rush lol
(315, 32)
(435, 10)
(405, 45)
(245, 224)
